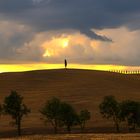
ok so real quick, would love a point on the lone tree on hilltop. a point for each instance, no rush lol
(13, 106)
(130, 112)
(66, 63)
(110, 109)
(84, 116)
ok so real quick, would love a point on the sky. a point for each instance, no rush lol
(38, 34)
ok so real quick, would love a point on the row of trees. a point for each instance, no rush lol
(126, 72)
(58, 113)
(62, 114)
(126, 111)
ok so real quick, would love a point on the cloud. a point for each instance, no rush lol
(99, 31)
(12, 37)
(93, 35)
(13, 6)
(123, 50)
(81, 15)
(52, 47)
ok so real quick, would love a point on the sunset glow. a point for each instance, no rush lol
(47, 54)
(30, 67)
(65, 43)
(55, 46)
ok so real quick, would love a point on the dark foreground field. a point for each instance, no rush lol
(82, 88)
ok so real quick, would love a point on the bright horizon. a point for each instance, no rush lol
(42, 66)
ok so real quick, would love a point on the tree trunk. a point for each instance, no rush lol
(116, 121)
(69, 129)
(117, 127)
(82, 127)
(132, 128)
(55, 129)
(19, 126)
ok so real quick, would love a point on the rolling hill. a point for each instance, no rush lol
(82, 88)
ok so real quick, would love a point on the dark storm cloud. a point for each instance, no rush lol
(91, 34)
(13, 6)
(44, 16)
(80, 15)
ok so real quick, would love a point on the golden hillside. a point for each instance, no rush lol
(82, 88)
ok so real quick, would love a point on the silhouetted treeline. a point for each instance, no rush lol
(61, 114)
(126, 111)
(126, 71)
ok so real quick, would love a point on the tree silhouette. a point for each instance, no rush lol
(65, 61)
(51, 112)
(13, 106)
(83, 117)
(110, 109)
(69, 116)
(130, 112)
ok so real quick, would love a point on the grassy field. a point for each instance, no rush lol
(82, 88)
(82, 137)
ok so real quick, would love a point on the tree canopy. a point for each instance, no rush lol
(51, 112)
(83, 117)
(130, 112)
(110, 109)
(14, 106)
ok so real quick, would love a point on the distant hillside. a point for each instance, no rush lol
(82, 88)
